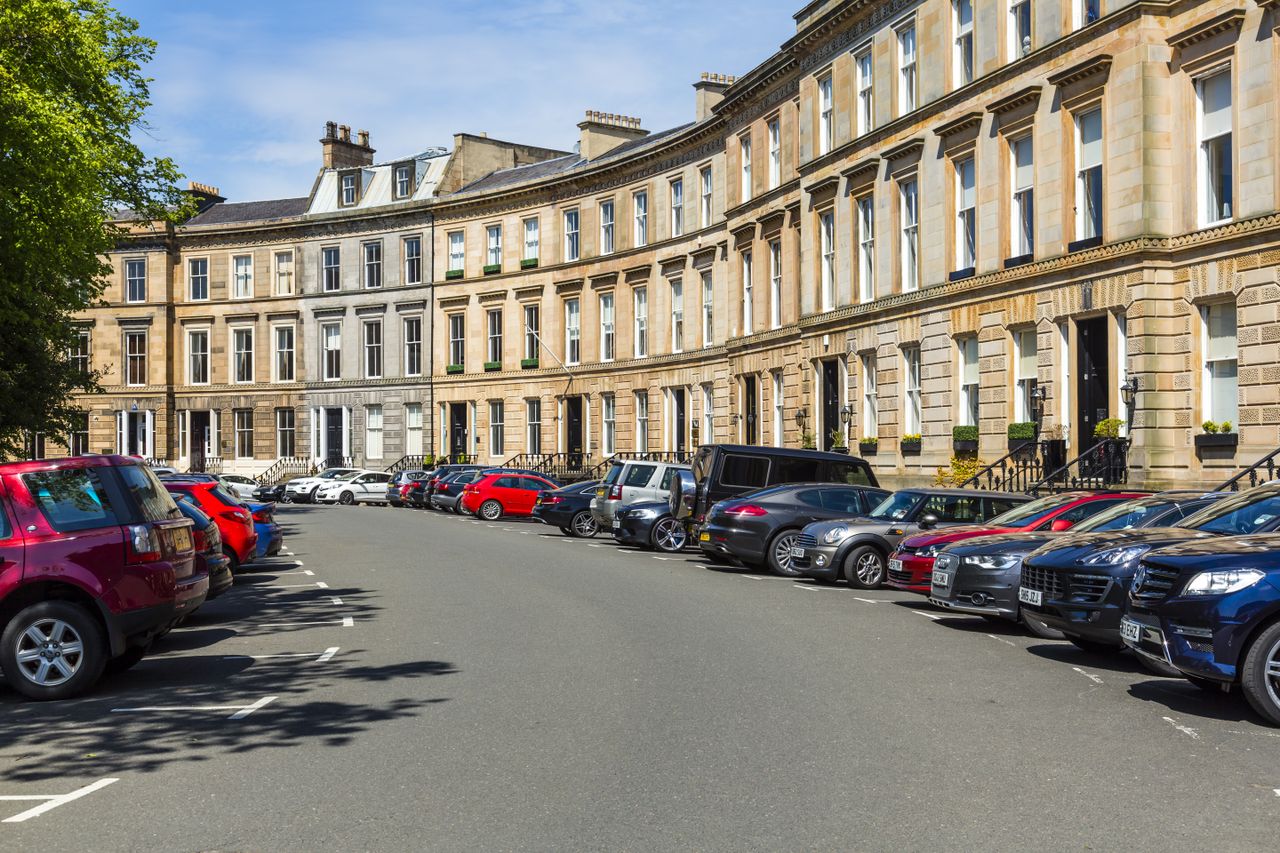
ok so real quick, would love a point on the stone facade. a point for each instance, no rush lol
(1066, 206)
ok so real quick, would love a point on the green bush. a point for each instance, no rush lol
(838, 438)
(1022, 431)
(528, 362)
(490, 269)
(454, 368)
(1225, 426)
(1212, 428)
(492, 365)
(452, 274)
(964, 433)
(869, 442)
(807, 441)
(1108, 428)
(961, 469)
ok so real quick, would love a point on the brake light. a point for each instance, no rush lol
(553, 499)
(144, 543)
(471, 489)
(262, 517)
(201, 541)
(615, 493)
(745, 510)
(241, 515)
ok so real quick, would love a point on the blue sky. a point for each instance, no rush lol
(242, 89)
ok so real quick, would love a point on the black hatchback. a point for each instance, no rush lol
(759, 529)
(569, 508)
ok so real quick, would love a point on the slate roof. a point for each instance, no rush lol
(251, 211)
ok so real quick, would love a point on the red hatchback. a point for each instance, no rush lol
(911, 566)
(235, 522)
(95, 562)
(496, 495)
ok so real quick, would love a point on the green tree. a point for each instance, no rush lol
(72, 96)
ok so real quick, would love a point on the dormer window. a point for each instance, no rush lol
(348, 189)
(404, 181)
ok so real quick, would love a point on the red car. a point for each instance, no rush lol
(95, 562)
(496, 495)
(235, 522)
(911, 566)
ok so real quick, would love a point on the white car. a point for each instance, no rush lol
(303, 489)
(357, 487)
(239, 485)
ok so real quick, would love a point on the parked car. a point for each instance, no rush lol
(535, 472)
(858, 549)
(911, 565)
(980, 575)
(270, 534)
(207, 542)
(1211, 610)
(446, 495)
(303, 489)
(631, 481)
(399, 484)
(569, 508)
(274, 493)
(235, 522)
(759, 529)
(419, 494)
(359, 487)
(721, 471)
(495, 495)
(239, 485)
(650, 524)
(96, 560)
(1079, 584)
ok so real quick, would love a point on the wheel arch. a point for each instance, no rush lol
(46, 590)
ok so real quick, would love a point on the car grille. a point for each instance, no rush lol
(1088, 589)
(804, 540)
(1154, 584)
(1046, 580)
(900, 577)
(1061, 586)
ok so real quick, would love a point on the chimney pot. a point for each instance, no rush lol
(344, 132)
(330, 129)
(363, 136)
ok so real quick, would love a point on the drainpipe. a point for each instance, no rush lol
(430, 414)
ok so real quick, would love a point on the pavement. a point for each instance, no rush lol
(408, 680)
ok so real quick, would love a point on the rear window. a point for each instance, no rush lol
(639, 475)
(224, 497)
(849, 473)
(612, 476)
(751, 472)
(149, 492)
(72, 499)
(795, 470)
(5, 530)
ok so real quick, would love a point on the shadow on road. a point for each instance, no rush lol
(1183, 697)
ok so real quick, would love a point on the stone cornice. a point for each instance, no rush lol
(829, 184)
(1009, 103)
(460, 301)
(491, 296)
(970, 121)
(533, 291)
(1224, 22)
(863, 172)
(1094, 67)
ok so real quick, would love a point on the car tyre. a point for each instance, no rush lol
(491, 510)
(235, 561)
(865, 568)
(583, 525)
(1038, 629)
(1093, 646)
(80, 643)
(1261, 686)
(312, 496)
(346, 498)
(778, 554)
(668, 535)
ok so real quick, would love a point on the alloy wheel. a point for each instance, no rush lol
(668, 535)
(49, 652)
(490, 510)
(584, 525)
(1273, 674)
(869, 569)
(782, 553)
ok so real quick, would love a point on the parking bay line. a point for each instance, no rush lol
(52, 802)
(303, 572)
(241, 711)
(326, 655)
(934, 616)
(345, 622)
(320, 584)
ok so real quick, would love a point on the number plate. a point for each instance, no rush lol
(797, 553)
(182, 539)
(599, 493)
(895, 565)
(704, 537)
(941, 579)
(1130, 630)
(1033, 597)
(537, 501)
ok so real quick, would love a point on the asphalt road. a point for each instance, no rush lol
(503, 687)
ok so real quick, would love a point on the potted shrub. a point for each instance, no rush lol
(839, 443)
(1053, 447)
(1022, 435)
(529, 264)
(490, 366)
(868, 446)
(1108, 428)
(449, 275)
(528, 363)
(960, 470)
(1217, 435)
(807, 442)
(911, 444)
(964, 439)
(454, 368)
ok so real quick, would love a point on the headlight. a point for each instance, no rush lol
(643, 514)
(992, 561)
(1220, 583)
(1116, 556)
(835, 534)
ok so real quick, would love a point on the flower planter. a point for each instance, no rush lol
(1026, 445)
(449, 275)
(528, 363)
(454, 368)
(1217, 439)
(491, 269)
(844, 450)
(529, 264)
(964, 446)
(490, 366)
(868, 448)
(910, 448)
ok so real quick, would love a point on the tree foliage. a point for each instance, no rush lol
(72, 96)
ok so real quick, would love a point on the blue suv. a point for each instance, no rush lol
(1212, 609)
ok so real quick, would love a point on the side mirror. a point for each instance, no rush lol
(684, 493)
(927, 521)
(1061, 524)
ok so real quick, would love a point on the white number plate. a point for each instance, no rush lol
(941, 579)
(895, 565)
(1030, 596)
(1130, 630)
(797, 552)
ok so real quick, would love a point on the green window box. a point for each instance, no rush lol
(490, 269)
(452, 274)
(491, 366)
(529, 264)
(528, 363)
(454, 368)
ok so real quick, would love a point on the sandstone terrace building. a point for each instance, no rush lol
(921, 214)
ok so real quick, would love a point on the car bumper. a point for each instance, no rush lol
(631, 531)
(719, 540)
(1097, 621)
(909, 572)
(138, 626)
(191, 592)
(818, 562)
(604, 512)
(220, 577)
(983, 593)
(554, 517)
(1204, 638)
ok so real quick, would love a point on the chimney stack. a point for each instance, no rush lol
(206, 196)
(602, 132)
(340, 152)
(709, 91)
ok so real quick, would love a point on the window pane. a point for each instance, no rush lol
(1091, 139)
(1215, 99)
(1221, 326)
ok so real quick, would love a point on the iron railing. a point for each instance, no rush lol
(286, 466)
(1264, 470)
(1016, 471)
(418, 462)
(560, 466)
(1102, 466)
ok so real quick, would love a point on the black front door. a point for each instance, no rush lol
(457, 429)
(751, 400)
(1093, 378)
(830, 403)
(199, 439)
(333, 438)
(681, 424)
(573, 427)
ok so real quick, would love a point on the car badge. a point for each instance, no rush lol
(1139, 579)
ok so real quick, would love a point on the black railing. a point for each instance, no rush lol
(418, 462)
(1264, 470)
(1102, 466)
(285, 467)
(560, 466)
(1016, 471)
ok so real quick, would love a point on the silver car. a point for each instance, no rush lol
(632, 482)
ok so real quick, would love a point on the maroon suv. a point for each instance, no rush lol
(95, 561)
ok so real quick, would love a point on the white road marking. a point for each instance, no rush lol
(322, 584)
(296, 585)
(268, 657)
(934, 616)
(287, 553)
(328, 654)
(867, 600)
(755, 577)
(348, 622)
(241, 711)
(298, 563)
(805, 588)
(244, 712)
(1012, 643)
(303, 572)
(1089, 675)
(1189, 732)
(345, 622)
(666, 559)
(593, 545)
(335, 599)
(52, 802)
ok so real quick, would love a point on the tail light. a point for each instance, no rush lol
(144, 543)
(262, 517)
(405, 490)
(552, 499)
(745, 511)
(240, 515)
(615, 493)
(199, 540)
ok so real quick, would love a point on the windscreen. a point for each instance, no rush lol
(1124, 516)
(1027, 514)
(896, 506)
(1246, 513)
